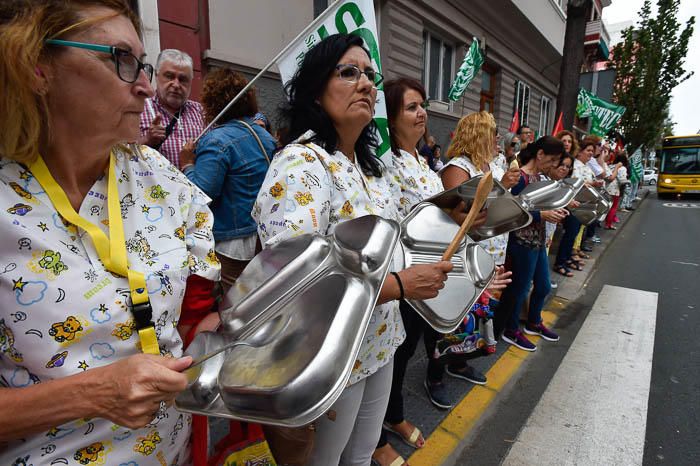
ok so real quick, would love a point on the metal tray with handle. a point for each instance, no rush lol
(505, 212)
(594, 205)
(425, 234)
(323, 289)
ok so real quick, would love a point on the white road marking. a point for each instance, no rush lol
(681, 205)
(594, 411)
(686, 263)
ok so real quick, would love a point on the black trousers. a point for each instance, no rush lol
(566, 245)
(415, 326)
(590, 229)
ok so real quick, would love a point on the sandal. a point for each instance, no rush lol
(411, 440)
(582, 255)
(562, 270)
(574, 265)
(577, 258)
(397, 461)
(577, 261)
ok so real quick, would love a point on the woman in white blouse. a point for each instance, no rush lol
(111, 238)
(471, 154)
(327, 175)
(406, 100)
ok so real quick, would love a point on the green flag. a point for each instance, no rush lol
(636, 168)
(471, 65)
(604, 115)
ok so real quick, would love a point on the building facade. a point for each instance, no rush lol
(522, 41)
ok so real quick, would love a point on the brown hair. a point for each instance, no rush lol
(220, 87)
(394, 91)
(474, 138)
(588, 141)
(24, 27)
(574, 142)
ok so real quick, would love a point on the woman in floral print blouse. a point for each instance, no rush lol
(73, 373)
(329, 174)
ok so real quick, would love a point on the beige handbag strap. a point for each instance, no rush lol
(255, 135)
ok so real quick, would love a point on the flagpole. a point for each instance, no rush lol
(293, 42)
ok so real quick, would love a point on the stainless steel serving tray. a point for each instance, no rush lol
(326, 288)
(550, 194)
(506, 212)
(593, 205)
(425, 234)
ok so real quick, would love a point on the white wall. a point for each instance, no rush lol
(547, 18)
(252, 32)
(148, 11)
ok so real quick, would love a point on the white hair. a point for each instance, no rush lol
(176, 57)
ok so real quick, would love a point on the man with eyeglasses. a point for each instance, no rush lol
(170, 119)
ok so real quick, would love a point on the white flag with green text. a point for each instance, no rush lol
(353, 17)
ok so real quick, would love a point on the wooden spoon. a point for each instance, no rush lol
(482, 193)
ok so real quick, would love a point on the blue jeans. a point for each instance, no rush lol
(529, 266)
(568, 238)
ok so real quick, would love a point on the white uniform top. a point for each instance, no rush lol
(304, 194)
(63, 313)
(415, 179)
(583, 172)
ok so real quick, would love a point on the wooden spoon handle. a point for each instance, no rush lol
(482, 192)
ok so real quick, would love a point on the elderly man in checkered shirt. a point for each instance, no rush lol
(169, 119)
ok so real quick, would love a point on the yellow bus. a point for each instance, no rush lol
(679, 169)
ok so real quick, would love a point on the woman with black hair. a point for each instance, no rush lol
(570, 225)
(527, 252)
(328, 174)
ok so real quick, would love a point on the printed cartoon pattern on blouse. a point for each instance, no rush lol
(583, 172)
(63, 313)
(309, 190)
(415, 179)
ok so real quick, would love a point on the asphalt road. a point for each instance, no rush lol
(659, 251)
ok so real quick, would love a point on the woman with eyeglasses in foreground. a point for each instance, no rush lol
(331, 139)
(100, 235)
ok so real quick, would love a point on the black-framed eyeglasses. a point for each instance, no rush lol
(352, 73)
(127, 65)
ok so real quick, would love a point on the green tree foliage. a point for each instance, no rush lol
(650, 63)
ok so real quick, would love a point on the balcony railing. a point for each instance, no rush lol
(597, 28)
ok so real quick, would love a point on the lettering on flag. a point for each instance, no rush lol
(470, 66)
(637, 169)
(345, 17)
(604, 115)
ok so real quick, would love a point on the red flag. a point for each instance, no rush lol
(559, 126)
(620, 145)
(515, 124)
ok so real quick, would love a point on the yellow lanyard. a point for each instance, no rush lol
(112, 250)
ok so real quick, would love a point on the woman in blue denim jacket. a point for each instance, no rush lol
(229, 165)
